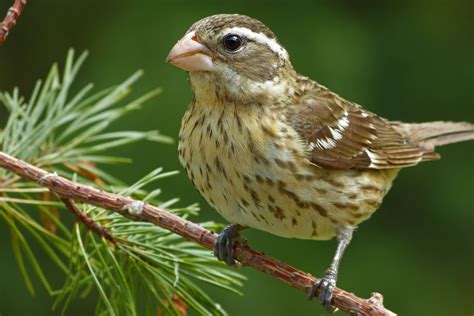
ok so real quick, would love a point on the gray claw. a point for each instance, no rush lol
(326, 285)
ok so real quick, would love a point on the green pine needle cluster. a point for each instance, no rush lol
(149, 269)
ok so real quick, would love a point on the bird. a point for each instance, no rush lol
(274, 150)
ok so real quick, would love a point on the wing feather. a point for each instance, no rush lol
(342, 135)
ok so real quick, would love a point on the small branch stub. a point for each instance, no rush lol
(11, 18)
(140, 211)
(135, 208)
(87, 221)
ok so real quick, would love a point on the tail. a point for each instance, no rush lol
(432, 134)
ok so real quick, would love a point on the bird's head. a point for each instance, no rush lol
(234, 57)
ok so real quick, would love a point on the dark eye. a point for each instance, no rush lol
(232, 42)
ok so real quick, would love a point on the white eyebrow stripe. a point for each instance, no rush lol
(261, 38)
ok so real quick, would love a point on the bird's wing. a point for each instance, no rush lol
(342, 135)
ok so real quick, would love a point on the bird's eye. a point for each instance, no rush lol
(232, 42)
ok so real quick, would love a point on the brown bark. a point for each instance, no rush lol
(139, 211)
(11, 18)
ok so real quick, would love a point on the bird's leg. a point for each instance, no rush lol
(224, 246)
(327, 283)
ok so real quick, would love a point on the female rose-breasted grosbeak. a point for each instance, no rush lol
(271, 149)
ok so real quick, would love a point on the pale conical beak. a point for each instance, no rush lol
(190, 55)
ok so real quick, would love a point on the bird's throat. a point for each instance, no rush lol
(230, 88)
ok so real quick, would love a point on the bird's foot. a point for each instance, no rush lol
(225, 242)
(325, 285)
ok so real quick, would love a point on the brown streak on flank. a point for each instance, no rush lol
(270, 182)
(318, 208)
(201, 171)
(302, 204)
(286, 164)
(321, 191)
(299, 176)
(265, 160)
(333, 221)
(295, 152)
(218, 165)
(292, 195)
(314, 231)
(209, 130)
(333, 182)
(292, 166)
(196, 123)
(353, 196)
(239, 123)
(247, 180)
(350, 206)
(371, 188)
(264, 219)
(255, 197)
(255, 215)
(259, 179)
(224, 173)
(374, 203)
(294, 221)
(280, 163)
(246, 188)
(280, 213)
(237, 174)
(219, 121)
(269, 131)
(277, 212)
(271, 199)
(244, 202)
(225, 137)
(353, 206)
(200, 139)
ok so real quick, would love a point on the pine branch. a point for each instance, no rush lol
(11, 18)
(87, 221)
(140, 211)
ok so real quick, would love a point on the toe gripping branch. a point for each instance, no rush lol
(225, 242)
(325, 286)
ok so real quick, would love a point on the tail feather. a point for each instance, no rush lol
(432, 134)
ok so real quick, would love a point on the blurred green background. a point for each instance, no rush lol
(405, 60)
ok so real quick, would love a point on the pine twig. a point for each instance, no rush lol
(11, 18)
(86, 220)
(139, 211)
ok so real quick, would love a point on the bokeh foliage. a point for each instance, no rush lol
(406, 60)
